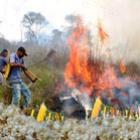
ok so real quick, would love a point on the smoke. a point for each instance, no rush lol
(127, 97)
(132, 90)
(121, 44)
(121, 20)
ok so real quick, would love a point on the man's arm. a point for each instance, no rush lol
(17, 65)
(3, 62)
(14, 64)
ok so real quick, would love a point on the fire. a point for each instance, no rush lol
(77, 72)
(102, 34)
(81, 72)
(109, 80)
(122, 67)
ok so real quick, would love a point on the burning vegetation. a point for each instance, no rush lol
(84, 89)
(96, 77)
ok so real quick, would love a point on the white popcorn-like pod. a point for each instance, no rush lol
(15, 125)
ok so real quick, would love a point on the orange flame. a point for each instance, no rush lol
(79, 72)
(109, 79)
(102, 34)
(122, 67)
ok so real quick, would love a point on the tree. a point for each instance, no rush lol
(33, 23)
(71, 18)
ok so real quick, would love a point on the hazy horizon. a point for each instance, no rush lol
(121, 19)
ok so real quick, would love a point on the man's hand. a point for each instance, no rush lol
(19, 65)
(22, 66)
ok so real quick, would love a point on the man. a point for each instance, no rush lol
(18, 86)
(3, 63)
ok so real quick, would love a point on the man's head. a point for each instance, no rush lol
(21, 52)
(4, 53)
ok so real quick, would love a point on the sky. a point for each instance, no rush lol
(117, 12)
(12, 11)
(121, 18)
(111, 12)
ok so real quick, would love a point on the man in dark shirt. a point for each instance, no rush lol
(3, 63)
(18, 86)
